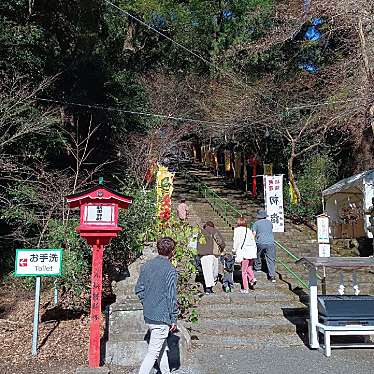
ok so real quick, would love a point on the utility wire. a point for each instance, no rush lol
(146, 114)
(165, 36)
(218, 68)
(237, 126)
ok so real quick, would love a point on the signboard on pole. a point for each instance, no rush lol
(274, 201)
(323, 231)
(323, 235)
(324, 250)
(38, 262)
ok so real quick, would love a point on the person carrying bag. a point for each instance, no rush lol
(213, 243)
(246, 251)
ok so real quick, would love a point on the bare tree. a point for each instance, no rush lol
(140, 152)
(19, 116)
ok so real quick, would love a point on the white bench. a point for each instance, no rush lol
(315, 326)
(348, 330)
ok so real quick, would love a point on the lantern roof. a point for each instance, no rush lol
(99, 194)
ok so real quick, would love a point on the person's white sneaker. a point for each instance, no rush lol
(244, 291)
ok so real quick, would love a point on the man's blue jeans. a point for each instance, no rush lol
(268, 251)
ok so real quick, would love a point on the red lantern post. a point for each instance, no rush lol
(253, 163)
(98, 225)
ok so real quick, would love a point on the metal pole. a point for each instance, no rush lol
(55, 293)
(323, 281)
(313, 309)
(36, 317)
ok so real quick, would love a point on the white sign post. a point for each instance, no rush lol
(323, 234)
(274, 201)
(323, 229)
(37, 263)
(324, 250)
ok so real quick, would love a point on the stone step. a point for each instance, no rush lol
(250, 342)
(218, 311)
(253, 297)
(123, 335)
(242, 326)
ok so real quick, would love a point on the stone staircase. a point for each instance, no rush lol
(270, 316)
(299, 239)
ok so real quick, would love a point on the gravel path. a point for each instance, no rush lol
(293, 360)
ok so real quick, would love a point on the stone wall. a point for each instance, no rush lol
(127, 335)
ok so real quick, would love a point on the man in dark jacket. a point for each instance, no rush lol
(212, 246)
(157, 291)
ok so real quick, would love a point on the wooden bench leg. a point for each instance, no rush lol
(327, 343)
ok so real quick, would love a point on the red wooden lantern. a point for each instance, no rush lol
(253, 163)
(98, 225)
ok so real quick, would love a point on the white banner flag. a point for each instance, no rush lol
(274, 201)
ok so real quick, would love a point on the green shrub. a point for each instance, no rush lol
(183, 260)
(138, 222)
(318, 173)
(76, 263)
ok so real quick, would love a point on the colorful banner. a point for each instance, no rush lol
(164, 191)
(204, 154)
(227, 161)
(245, 176)
(268, 169)
(216, 162)
(273, 190)
(237, 164)
(293, 196)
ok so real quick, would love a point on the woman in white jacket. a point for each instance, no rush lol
(246, 251)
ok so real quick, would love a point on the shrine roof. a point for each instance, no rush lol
(98, 193)
(352, 184)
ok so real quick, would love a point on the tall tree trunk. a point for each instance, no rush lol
(365, 51)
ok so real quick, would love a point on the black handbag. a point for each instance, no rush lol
(197, 263)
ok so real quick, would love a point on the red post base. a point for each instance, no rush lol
(95, 315)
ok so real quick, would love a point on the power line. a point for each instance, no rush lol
(146, 114)
(233, 126)
(218, 68)
(165, 36)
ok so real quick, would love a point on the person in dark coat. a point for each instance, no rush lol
(209, 249)
(228, 263)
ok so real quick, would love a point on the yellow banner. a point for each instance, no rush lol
(268, 169)
(293, 196)
(164, 191)
(237, 164)
(227, 161)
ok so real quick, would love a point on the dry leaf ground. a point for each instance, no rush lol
(63, 342)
